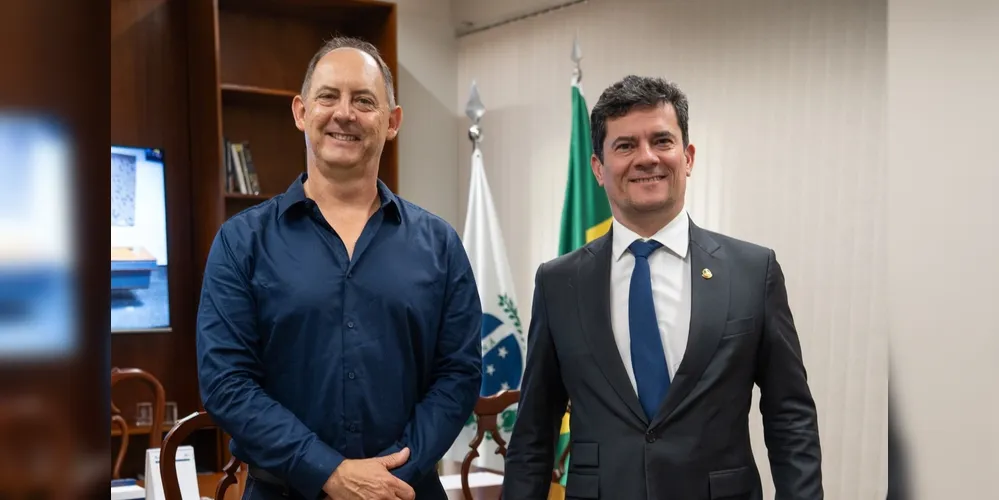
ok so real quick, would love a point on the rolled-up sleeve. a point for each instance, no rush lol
(230, 370)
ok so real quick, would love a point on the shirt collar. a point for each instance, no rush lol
(295, 195)
(675, 236)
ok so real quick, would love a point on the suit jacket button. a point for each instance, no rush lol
(650, 437)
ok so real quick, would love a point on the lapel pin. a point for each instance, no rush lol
(706, 273)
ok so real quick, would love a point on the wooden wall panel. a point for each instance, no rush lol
(205, 129)
(149, 107)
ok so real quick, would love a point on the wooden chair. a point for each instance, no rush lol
(159, 401)
(168, 457)
(487, 409)
(119, 422)
(36, 458)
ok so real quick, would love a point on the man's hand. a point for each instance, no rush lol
(369, 479)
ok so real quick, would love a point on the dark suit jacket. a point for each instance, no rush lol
(697, 446)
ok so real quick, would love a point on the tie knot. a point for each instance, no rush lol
(642, 249)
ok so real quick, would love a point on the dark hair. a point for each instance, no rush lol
(635, 92)
(346, 42)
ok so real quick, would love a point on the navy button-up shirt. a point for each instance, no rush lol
(307, 356)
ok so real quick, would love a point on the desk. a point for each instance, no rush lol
(131, 267)
(208, 482)
(480, 493)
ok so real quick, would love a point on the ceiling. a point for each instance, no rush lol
(471, 14)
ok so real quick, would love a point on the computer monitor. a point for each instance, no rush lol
(140, 295)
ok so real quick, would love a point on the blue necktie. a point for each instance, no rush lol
(647, 356)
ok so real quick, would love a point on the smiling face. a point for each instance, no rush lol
(346, 116)
(645, 164)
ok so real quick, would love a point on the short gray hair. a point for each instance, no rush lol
(346, 42)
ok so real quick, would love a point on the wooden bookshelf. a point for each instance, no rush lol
(249, 197)
(261, 49)
(237, 90)
(242, 86)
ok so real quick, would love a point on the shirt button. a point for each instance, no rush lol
(350, 324)
(350, 375)
(352, 428)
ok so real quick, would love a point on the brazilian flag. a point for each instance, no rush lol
(586, 216)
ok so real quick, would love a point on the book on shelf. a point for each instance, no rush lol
(240, 172)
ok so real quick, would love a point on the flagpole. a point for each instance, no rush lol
(577, 56)
(503, 343)
(563, 447)
(474, 111)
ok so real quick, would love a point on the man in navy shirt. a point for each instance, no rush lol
(339, 325)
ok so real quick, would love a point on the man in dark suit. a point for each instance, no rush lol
(657, 332)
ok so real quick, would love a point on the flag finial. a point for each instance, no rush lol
(474, 110)
(577, 56)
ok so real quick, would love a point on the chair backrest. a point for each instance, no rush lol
(487, 409)
(159, 399)
(119, 422)
(168, 457)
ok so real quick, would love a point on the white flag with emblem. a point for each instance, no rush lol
(503, 341)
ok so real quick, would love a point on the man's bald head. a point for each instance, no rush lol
(350, 43)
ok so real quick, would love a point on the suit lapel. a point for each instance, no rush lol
(708, 312)
(593, 291)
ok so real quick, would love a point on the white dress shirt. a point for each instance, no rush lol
(670, 269)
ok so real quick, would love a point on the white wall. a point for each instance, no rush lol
(787, 112)
(943, 238)
(428, 62)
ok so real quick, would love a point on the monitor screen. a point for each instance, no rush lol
(140, 298)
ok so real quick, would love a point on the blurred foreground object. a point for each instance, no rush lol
(37, 313)
(54, 367)
(37, 452)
